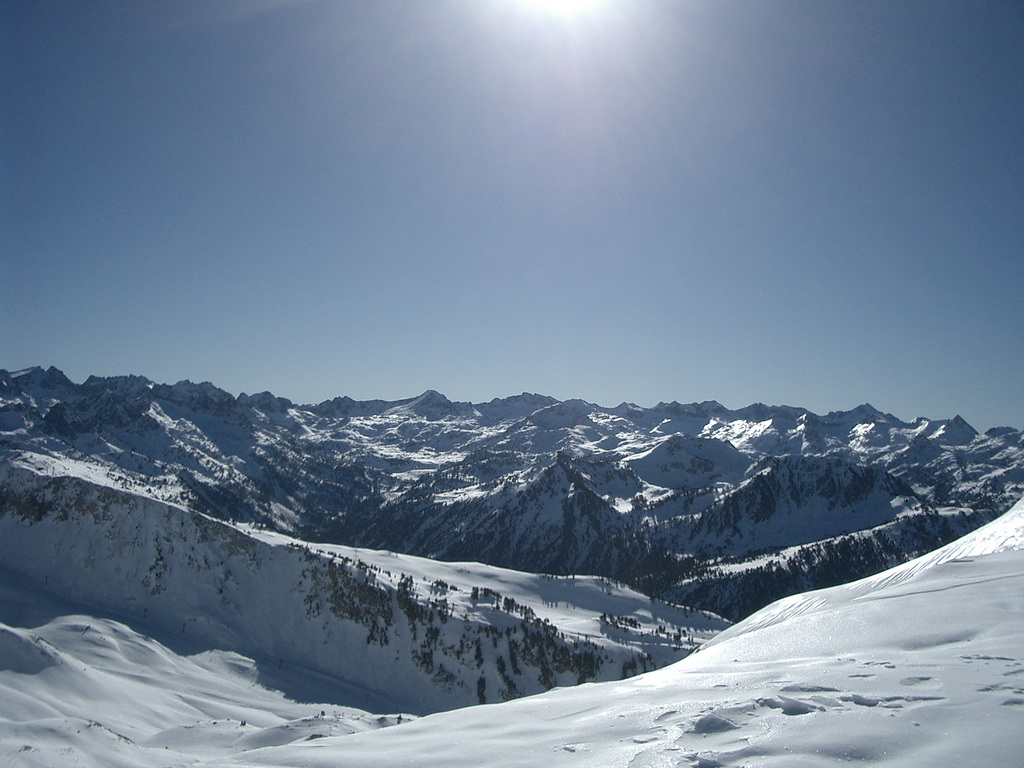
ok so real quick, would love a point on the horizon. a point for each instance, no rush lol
(457, 401)
(619, 201)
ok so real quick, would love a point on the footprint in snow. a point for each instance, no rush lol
(712, 723)
(914, 680)
(801, 688)
(645, 738)
(573, 748)
(789, 706)
(862, 701)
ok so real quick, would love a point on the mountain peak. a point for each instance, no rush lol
(265, 401)
(526, 398)
(433, 397)
(867, 409)
(956, 431)
(128, 385)
(431, 405)
(50, 379)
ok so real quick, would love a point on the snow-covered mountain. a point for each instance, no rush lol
(920, 665)
(393, 631)
(726, 510)
(162, 601)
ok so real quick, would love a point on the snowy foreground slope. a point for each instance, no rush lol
(921, 665)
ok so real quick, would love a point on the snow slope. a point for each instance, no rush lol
(80, 690)
(390, 631)
(922, 665)
(594, 609)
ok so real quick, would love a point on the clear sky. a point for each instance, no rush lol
(808, 202)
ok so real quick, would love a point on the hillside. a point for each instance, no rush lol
(403, 633)
(916, 666)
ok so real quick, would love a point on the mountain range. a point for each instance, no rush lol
(211, 575)
(723, 510)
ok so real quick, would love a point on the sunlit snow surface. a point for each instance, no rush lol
(571, 603)
(922, 665)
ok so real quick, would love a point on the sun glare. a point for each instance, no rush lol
(562, 7)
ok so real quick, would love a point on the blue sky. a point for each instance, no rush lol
(812, 203)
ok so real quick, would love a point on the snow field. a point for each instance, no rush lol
(921, 666)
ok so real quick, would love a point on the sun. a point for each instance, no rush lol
(565, 8)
